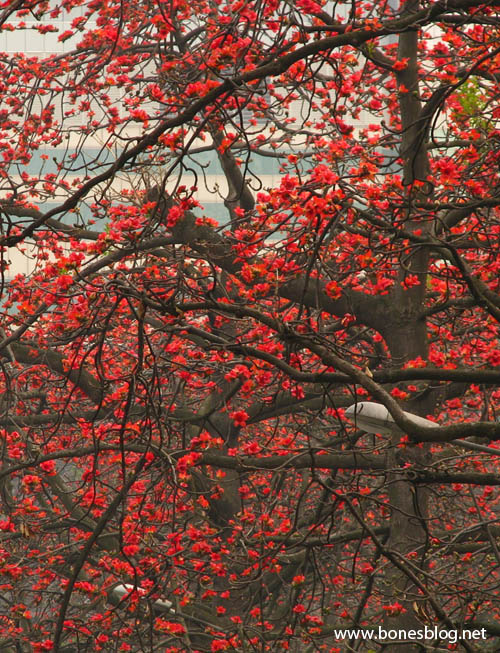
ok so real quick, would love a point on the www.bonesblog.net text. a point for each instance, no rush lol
(417, 635)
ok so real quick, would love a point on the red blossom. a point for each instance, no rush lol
(239, 417)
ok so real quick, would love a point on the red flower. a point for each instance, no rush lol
(299, 609)
(239, 417)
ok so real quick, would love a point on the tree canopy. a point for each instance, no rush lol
(244, 218)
